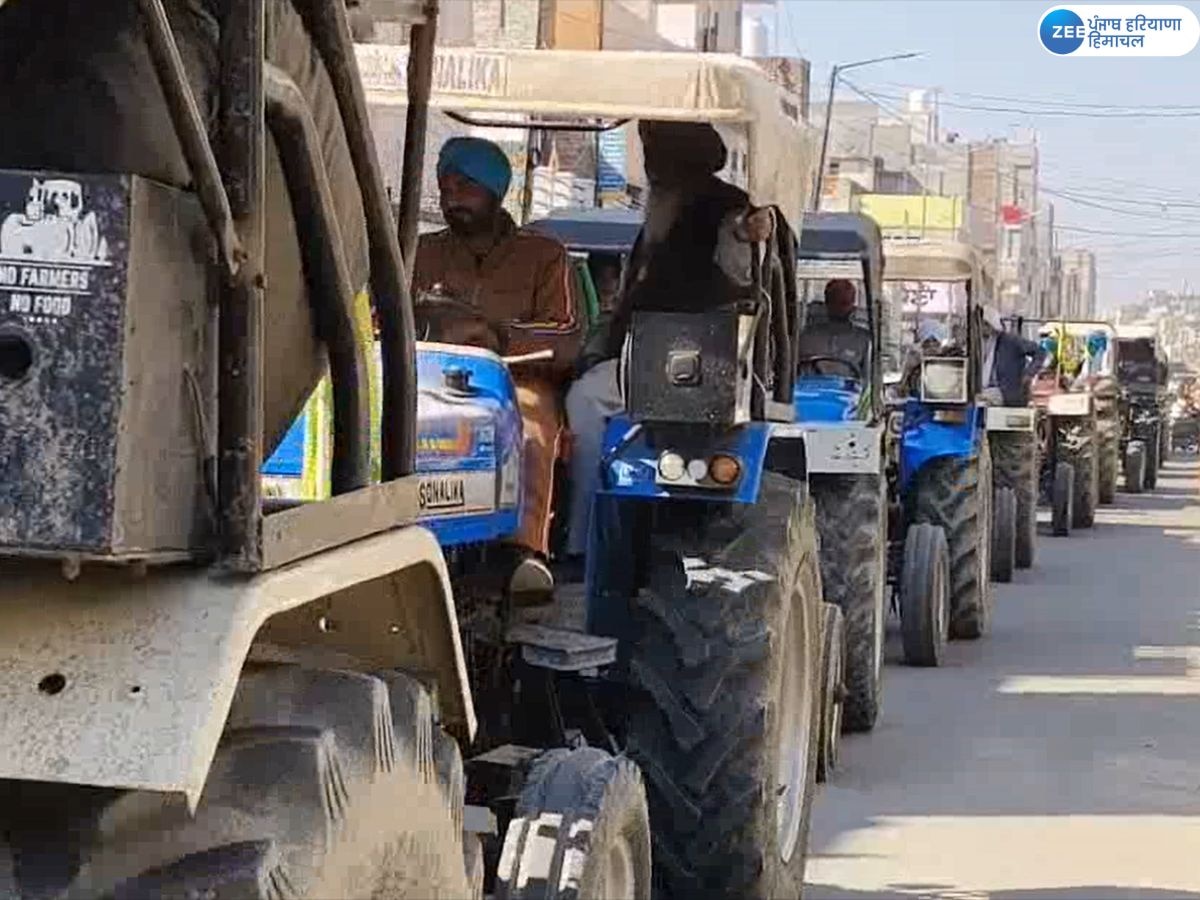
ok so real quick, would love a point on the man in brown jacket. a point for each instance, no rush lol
(518, 281)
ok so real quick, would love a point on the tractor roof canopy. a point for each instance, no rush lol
(593, 230)
(559, 87)
(951, 261)
(833, 237)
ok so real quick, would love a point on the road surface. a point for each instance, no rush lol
(1057, 759)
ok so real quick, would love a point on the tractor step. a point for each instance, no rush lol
(561, 649)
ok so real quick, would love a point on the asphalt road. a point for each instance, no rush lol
(1059, 757)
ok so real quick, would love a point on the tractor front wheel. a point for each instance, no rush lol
(925, 595)
(727, 719)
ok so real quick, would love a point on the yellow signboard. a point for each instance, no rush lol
(912, 212)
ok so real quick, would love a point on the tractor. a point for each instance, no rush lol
(1142, 374)
(704, 511)
(234, 694)
(1070, 442)
(840, 407)
(943, 461)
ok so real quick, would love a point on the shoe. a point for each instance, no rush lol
(531, 582)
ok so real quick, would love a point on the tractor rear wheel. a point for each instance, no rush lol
(1062, 499)
(727, 722)
(1077, 445)
(852, 523)
(319, 789)
(1135, 467)
(1004, 535)
(1150, 479)
(1015, 461)
(955, 494)
(1108, 465)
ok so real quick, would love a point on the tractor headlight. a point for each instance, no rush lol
(944, 380)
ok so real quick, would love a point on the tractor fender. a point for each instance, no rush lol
(119, 679)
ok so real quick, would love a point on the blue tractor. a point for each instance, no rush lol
(704, 564)
(943, 468)
(839, 407)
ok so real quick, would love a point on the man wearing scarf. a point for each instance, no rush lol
(518, 281)
(679, 262)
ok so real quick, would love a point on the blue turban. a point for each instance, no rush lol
(479, 160)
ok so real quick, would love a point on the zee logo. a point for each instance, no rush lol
(1062, 31)
(1066, 31)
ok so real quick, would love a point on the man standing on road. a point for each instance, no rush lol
(1009, 361)
(518, 280)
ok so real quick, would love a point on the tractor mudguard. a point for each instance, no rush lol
(120, 680)
(924, 440)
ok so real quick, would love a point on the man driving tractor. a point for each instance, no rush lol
(838, 336)
(517, 281)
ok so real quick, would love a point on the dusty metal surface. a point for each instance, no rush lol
(315, 527)
(241, 324)
(120, 681)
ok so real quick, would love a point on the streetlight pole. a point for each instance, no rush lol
(833, 77)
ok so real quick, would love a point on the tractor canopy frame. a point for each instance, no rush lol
(229, 178)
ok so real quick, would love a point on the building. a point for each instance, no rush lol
(1078, 284)
(576, 168)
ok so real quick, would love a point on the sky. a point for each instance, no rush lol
(1134, 179)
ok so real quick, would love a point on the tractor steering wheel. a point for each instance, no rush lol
(815, 365)
(448, 320)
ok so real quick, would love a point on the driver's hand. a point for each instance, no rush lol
(991, 397)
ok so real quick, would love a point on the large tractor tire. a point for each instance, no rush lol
(726, 730)
(852, 524)
(1062, 499)
(318, 789)
(580, 831)
(925, 595)
(1153, 462)
(1004, 535)
(1109, 462)
(1135, 467)
(955, 494)
(833, 688)
(1015, 465)
(1077, 446)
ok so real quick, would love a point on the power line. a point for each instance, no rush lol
(1129, 234)
(1118, 211)
(1068, 113)
(1065, 104)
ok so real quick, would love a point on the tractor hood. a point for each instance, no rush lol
(827, 398)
